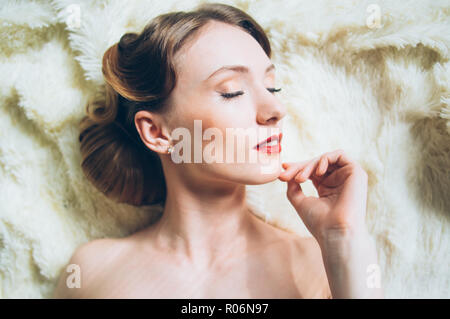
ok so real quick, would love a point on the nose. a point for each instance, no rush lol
(270, 110)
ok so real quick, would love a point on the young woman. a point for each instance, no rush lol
(212, 65)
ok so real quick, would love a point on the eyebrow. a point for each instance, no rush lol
(238, 68)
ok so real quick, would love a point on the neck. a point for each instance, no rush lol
(204, 222)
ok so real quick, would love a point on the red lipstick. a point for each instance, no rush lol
(270, 145)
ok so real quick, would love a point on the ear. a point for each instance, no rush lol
(152, 130)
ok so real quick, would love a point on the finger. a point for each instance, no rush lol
(338, 176)
(322, 166)
(329, 160)
(286, 165)
(338, 157)
(290, 165)
(323, 169)
(319, 175)
(294, 192)
(306, 172)
(291, 169)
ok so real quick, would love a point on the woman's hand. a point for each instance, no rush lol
(337, 220)
(342, 187)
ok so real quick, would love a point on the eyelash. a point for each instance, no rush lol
(228, 96)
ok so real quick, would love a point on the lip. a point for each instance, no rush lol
(270, 149)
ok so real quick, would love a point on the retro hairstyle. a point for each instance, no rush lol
(139, 75)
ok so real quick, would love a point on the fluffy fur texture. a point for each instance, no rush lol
(381, 94)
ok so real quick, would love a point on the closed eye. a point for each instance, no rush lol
(227, 96)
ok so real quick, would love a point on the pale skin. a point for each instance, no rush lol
(208, 243)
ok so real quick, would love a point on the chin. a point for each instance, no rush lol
(264, 169)
(265, 174)
(254, 174)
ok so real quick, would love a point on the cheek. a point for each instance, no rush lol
(219, 122)
(218, 114)
(235, 114)
(211, 118)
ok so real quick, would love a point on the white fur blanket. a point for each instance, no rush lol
(377, 88)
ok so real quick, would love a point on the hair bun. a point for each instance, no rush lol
(127, 41)
(115, 160)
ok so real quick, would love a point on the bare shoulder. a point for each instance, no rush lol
(304, 257)
(310, 273)
(81, 275)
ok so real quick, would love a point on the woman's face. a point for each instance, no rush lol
(198, 95)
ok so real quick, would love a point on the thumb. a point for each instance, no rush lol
(294, 193)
